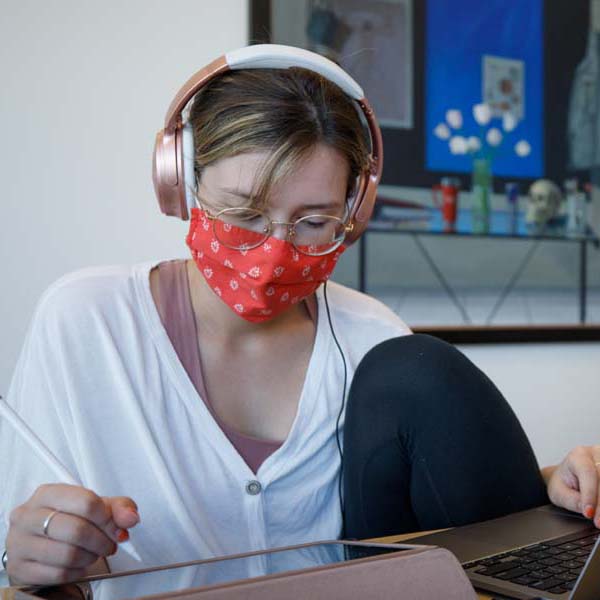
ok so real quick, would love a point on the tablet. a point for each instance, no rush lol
(169, 579)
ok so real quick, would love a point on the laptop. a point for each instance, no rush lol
(544, 552)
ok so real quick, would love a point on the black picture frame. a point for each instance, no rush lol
(565, 30)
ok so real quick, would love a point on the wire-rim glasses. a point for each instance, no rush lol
(249, 228)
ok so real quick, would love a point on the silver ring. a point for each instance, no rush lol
(47, 522)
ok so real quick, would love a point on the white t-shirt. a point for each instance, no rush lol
(100, 382)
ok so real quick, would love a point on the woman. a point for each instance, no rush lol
(207, 396)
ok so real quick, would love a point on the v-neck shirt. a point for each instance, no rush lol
(177, 315)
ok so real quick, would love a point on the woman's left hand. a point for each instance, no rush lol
(575, 483)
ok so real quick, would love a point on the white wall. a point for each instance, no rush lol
(85, 87)
(554, 390)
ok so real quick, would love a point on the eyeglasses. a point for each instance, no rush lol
(248, 228)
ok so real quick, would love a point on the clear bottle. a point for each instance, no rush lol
(576, 207)
(511, 190)
(481, 194)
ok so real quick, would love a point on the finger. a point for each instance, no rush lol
(582, 466)
(67, 528)
(58, 554)
(566, 497)
(595, 511)
(77, 501)
(124, 511)
(34, 573)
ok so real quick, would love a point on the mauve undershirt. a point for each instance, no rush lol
(175, 309)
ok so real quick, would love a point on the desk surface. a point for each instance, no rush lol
(398, 538)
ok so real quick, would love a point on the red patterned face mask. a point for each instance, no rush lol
(260, 283)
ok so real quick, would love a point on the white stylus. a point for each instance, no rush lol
(48, 457)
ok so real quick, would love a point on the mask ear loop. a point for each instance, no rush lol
(339, 417)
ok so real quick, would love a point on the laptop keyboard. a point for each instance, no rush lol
(552, 566)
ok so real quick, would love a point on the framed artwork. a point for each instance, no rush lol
(436, 26)
(493, 53)
(370, 40)
(416, 59)
(375, 42)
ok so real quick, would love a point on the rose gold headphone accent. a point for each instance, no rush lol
(167, 174)
(190, 87)
(367, 193)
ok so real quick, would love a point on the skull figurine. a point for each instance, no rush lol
(543, 202)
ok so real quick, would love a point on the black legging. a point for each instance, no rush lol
(430, 442)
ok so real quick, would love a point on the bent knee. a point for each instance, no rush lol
(418, 371)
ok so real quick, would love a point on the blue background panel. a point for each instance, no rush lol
(458, 35)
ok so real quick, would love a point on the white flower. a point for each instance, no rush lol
(458, 145)
(442, 131)
(454, 118)
(494, 136)
(473, 143)
(522, 148)
(509, 121)
(482, 113)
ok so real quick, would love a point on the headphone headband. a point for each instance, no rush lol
(261, 56)
(277, 56)
(172, 171)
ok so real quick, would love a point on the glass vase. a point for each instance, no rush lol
(481, 188)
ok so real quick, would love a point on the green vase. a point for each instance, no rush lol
(481, 188)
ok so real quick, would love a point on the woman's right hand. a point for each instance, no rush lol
(85, 528)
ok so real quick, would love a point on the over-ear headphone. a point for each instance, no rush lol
(173, 159)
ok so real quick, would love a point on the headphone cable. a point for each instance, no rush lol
(337, 421)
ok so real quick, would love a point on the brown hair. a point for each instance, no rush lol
(283, 111)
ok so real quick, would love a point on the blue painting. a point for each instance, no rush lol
(485, 52)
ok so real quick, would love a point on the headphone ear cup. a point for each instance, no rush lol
(167, 174)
